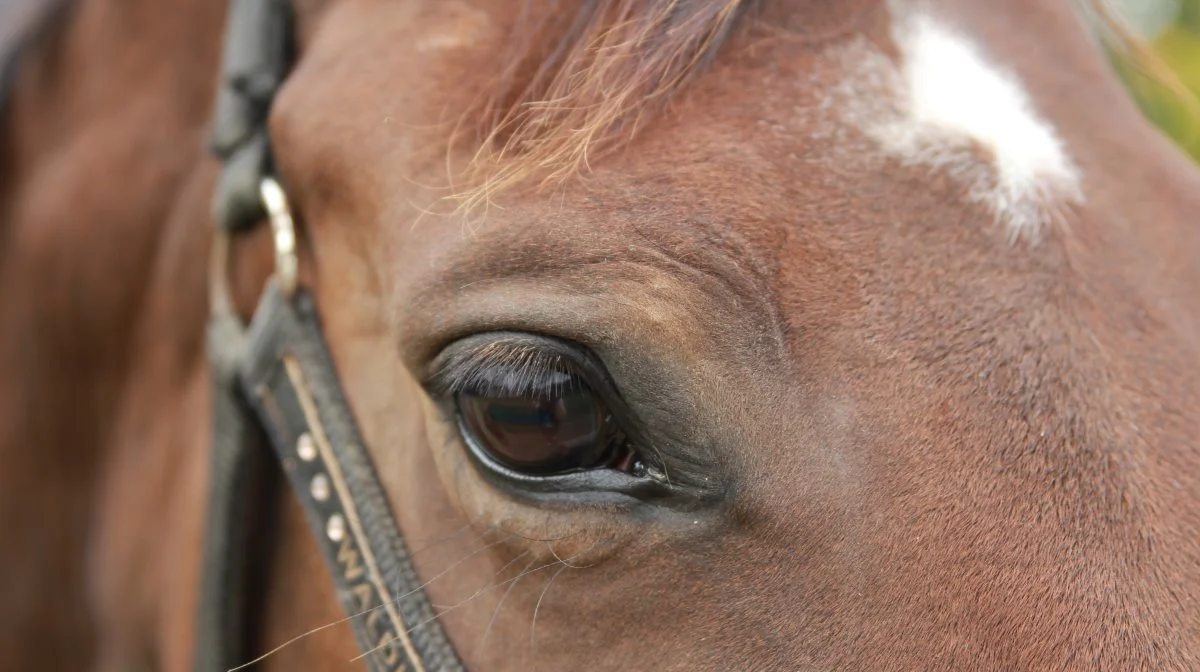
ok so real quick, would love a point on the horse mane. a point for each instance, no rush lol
(574, 83)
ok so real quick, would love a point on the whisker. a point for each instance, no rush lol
(496, 611)
(440, 614)
(556, 557)
(536, 606)
(489, 586)
(498, 573)
(447, 570)
(439, 540)
(521, 536)
(395, 600)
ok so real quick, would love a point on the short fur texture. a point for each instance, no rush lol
(929, 448)
(580, 78)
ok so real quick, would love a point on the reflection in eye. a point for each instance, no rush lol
(535, 405)
(561, 427)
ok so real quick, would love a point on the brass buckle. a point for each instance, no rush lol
(283, 231)
(283, 234)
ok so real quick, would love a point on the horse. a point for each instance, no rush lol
(680, 334)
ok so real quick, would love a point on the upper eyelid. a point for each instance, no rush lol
(496, 380)
(505, 365)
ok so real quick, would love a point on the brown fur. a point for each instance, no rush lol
(607, 65)
(936, 450)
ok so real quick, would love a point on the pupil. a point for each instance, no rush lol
(556, 431)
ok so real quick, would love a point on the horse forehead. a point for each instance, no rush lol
(917, 91)
(943, 101)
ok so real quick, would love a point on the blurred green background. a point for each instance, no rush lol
(1171, 29)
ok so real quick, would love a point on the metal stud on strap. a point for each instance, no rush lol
(283, 231)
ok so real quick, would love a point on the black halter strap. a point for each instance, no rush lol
(275, 383)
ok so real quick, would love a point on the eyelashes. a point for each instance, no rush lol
(505, 367)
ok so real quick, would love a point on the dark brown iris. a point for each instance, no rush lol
(552, 431)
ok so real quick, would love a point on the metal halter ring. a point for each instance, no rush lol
(283, 232)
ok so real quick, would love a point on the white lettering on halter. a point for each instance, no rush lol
(944, 104)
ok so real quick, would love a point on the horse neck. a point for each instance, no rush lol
(105, 159)
(103, 190)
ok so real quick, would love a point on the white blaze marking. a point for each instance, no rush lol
(946, 103)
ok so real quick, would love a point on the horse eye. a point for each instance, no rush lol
(562, 427)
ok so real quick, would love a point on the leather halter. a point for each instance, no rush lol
(274, 382)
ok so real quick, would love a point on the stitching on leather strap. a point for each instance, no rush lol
(309, 408)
